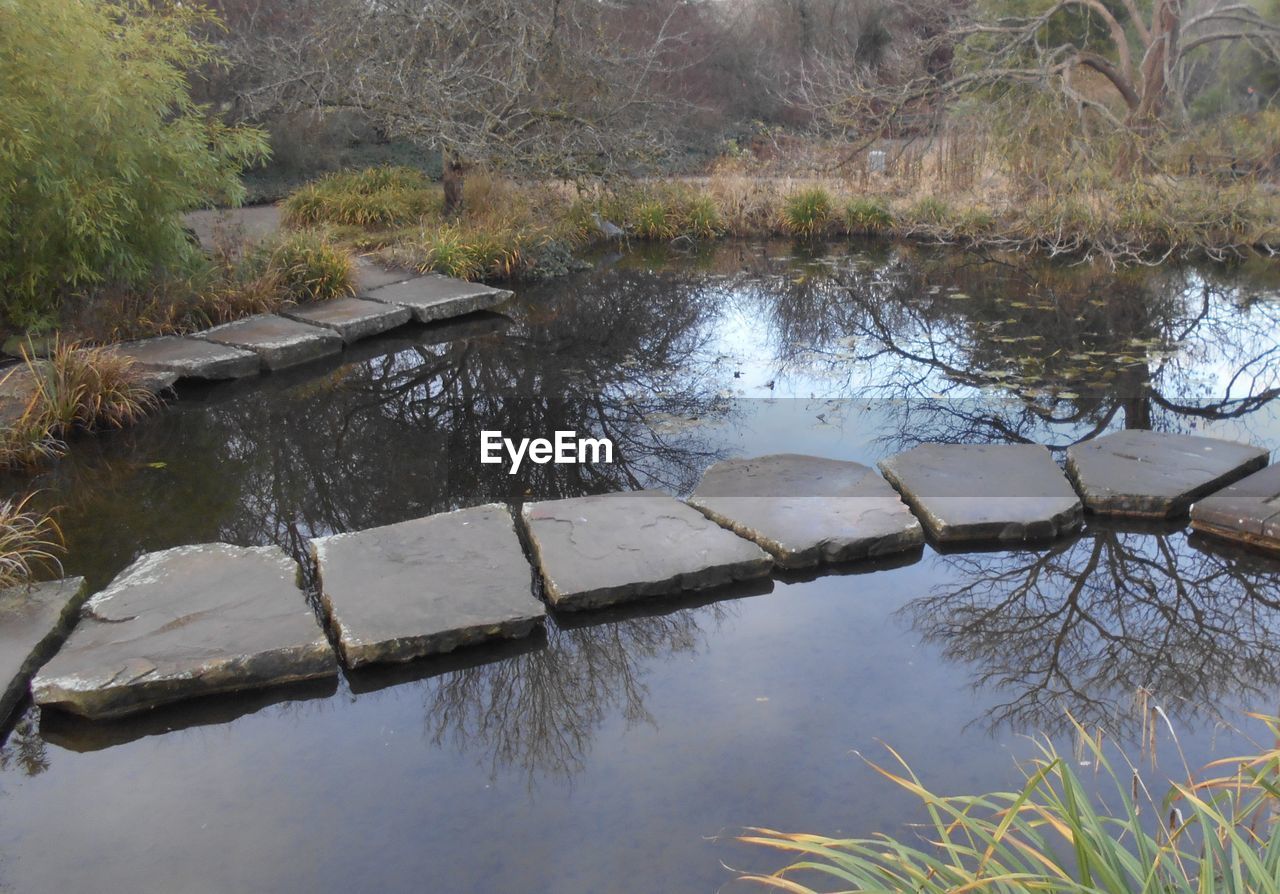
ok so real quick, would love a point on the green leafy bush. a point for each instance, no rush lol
(101, 146)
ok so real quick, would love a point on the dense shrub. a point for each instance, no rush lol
(307, 267)
(101, 147)
(807, 213)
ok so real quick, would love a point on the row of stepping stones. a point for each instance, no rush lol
(298, 335)
(214, 617)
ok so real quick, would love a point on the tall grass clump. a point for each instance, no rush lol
(473, 251)
(1215, 833)
(375, 197)
(867, 217)
(307, 267)
(74, 389)
(28, 540)
(807, 213)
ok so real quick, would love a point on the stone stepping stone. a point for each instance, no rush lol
(1247, 512)
(186, 622)
(191, 358)
(426, 586)
(433, 297)
(1148, 474)
(602, 550)
(967, 493)
(806, 510)
(34, 620)
(278, 342)
(352, 318)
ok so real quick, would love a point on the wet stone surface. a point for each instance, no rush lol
(34, 621)
(806, 510)
(1150, 474)
(426, 586)
(191, 358)
(601, 550)
(1247, 511)
(279, 343)
(186, 622)
(433, 297)
(969, 493)
(352, 318)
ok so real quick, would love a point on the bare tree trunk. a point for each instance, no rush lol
(455, 173)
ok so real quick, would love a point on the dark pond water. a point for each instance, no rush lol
(621, 752)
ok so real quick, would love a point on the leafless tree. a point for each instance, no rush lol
(556, 88)
(1139, 49)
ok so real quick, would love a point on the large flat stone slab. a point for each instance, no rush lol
(278, 342)
(1246, 512)
(191, 358)
(186, 622)
(967, 493)
(433, 297)
(34, 620)
(602, 550)
(807, 510)
(426, 586)
(352, 318)
(1148, 474)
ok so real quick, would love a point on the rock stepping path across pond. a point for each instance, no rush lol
(185, 622)
(214, 618)
(966, 493)
(603, 550)
(279, 342)
(34, 620)
(1247, 512)
(352, 318)
(806, 510)
(1147, 474)
(433, 297)
(426, 586)
(191, 358)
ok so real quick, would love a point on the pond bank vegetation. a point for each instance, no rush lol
(1213, 831)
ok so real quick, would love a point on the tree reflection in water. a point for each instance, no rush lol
(989, 348)
(1086, 625)
(537, 710)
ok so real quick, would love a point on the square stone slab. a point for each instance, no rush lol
(965, 493)
(1247, 512)
(186, 622)
(426, 586)
(191, 358)
(279, 343)
(806, 510)
(434, 297)
(601, 550)
(34, 620)
(1148, 474)
(352, 318)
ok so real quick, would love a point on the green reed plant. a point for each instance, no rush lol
(656, 220)
(74, 388)
(28, 539)
(308, 267)
(1214, 833)
(807, 213)
(868, 217)
(371, 198)
(702, 218)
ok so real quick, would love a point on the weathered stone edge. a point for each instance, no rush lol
(1157, 507)
(17, 688)
(829, 552)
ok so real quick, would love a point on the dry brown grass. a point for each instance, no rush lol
(29, 540)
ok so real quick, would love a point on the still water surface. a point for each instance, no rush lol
(622, 751)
